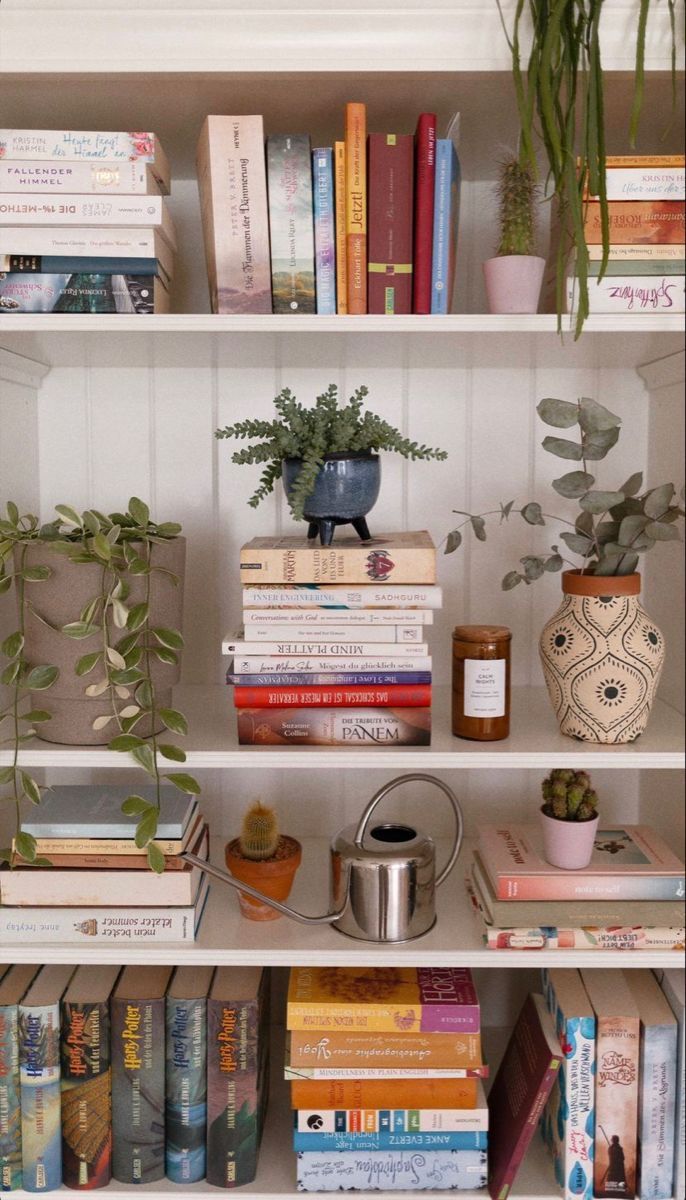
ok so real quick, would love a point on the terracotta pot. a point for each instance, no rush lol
(59, 600)
(272, 876)
(513, 283)
(602, 658)
(568, 844)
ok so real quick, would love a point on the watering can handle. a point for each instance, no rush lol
(418, 777)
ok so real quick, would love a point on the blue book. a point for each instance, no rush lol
(39, 1079)
(324, 230)
(393, 1170)
(335, 679)
(65, 265)
(387, 1139)
(186, 1074)
(568, 1123)
(446, 215)
(657, 1083)
(672, 984)
(15, 981)
(94, 811)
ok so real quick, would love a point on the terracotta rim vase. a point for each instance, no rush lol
(513, 283)
(272, 876)
(602, 657)
(568, 844)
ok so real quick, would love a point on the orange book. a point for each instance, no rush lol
(384, 1093)
(341, 264)
(356, 206)
(341, 1049)
(649, 222)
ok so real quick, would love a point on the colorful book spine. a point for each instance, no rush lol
(341, 244)
(357, 727)
(456, 1094)
(47, 264)
(389, 269)
(632, 222)
(358, 563)
(340, 596)
(414, 1000)
(95, 926)
(569, 1119)
(291, 230)
(10, 1108)
(349, 697)
(399, 619)
(326, 649)
(662, 293)
(77, 242)
(70, 145)
(616, 1084)
(39, 1074)
(356, 206)
(425, 181)
(391, 1170)
(138, 1090)
(264, 664)
(386, 1120)
(338, 1048)
(637, 937)
(321, 1071)
(657, 1087)
(324, 230)
(672, 984)
(373, 679)
(86, 1095)
(186, 1090)
(90, 292)
(646, 182)
(384, 1140)
(113, 178)
(446, 217)
(327, 632)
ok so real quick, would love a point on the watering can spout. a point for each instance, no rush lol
(284, 909)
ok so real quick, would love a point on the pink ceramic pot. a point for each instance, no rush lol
(568, 844)
(513, 283)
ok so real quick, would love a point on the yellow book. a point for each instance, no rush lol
(356, 206)
(383, 999)
(341, 265)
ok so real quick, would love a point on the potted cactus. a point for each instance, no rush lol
(569, 816)
(514, 276)
(265, 859)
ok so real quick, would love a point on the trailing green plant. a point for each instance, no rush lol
(259, 836)
(613, 528)
(311, 433)
(121, 544)
(568, 796)
(561, 90)
(517, 199)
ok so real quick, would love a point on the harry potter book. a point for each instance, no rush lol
(186, 1074)
(39, 1074)
(383, 1000)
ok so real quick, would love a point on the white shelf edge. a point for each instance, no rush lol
(16, 368)
(666, 371)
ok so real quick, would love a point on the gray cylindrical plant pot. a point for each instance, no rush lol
(346, 489)
(59, 600)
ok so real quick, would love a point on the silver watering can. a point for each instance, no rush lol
(383, 879)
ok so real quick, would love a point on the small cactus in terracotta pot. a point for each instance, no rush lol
(569, 815)
(265, 859)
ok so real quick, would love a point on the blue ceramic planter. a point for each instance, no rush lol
(346, 489)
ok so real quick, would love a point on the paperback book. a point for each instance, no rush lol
(39, 1075)
(317, 596)
(400, 557)
(82, 292)
(90, 812)
(327, 632)
(568, 1122)
(652, 222)
(446, 218)
(324, 619)
(331, 679)
(356, 207)
(629, 293)
(73, 209)
(186, 1074)
(13, 986)
(399, 1120)
(672, 984)
(324, 230)
(70, 145)
(341, 244)
(383, 1000)
(460, 1095)
(291, 230)
(323, 648)
(386, 1139)
(79, 242)
(115, 178)
(333, 727)
(392, 1170)
(340, 1048)
(658, 177)
(658, 1084)
(322, 697)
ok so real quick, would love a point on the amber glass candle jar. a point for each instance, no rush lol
(481, 682)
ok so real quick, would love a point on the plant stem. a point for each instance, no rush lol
(148, 672)
(16, 698)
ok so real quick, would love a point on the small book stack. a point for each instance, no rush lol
(647, 264)
(368, 225)
(385, 1067)
(332, 651)
(630, 897)
(98, 886)
(84, 226)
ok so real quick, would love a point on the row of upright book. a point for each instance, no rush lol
(131, 1074)
(368, 225)
(84, 225)
(330, 653)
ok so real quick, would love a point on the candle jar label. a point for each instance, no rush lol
(484, 687)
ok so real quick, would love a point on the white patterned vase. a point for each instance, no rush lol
(602, 657)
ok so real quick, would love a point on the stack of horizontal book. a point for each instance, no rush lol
(98, 886)
(332, 651)
(84, 226)
(647, 263)
(385, 1067)
(131, 1074)
(630, 897)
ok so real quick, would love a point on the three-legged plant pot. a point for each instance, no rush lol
(345, 490)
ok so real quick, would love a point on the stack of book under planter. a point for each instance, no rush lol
(99, 887)
(332, 650)
(84, 226)
(386, 1071)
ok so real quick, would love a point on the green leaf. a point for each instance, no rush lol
(139, 511)
(577, 543)
(505, 510)
(133, 806)
(594, 417)
(479, 526)
(36, 574)
(633, 484)
(662, 533)
(115, 658)
(559, 413)
(12, 645)
(5, 584)
(453, 541)
(70, 515)
(511, 580)
(130, 675)
(164, 655)
(11, 672)
(156, 859)
(79, 630)
(146, 828)
(600, 502)
(143, 695)
(185, 783)
(137, 617)
(173, 753)
(659, 500)
(573, 484)
(533, 566)
(125, 742)
(39, 679)
(31, 788)
(144, 756)
(174, 641)
(630, 528)
(596, 445)
(25, 845)
(168, 529)
(563, 448)
(91, 522)
(533, 514)
(86, 663)
(37, 716)
(12, 512)
(120, 613)
(6, 774)
(554, 563)
(174, 720)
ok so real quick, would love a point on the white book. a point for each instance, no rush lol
(322, 618)
(259, 664)
(631, 294)
(72, 209)
(646, 183)
(344, 648)
(653, 252)
(366, 595)
(400, 634)
(672, 983)
(112, 178)
(81, 242)
(76, 145)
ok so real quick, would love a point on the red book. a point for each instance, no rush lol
(390, 176)
(425, 175)
(520, 1091)
(394, 696)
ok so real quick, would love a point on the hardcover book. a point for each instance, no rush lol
(39, 1075)
(291, 229)
(81, 242)
(233, 199)
(387, 1139)
(44, 264)
(331, 679)
(425, 182)
(341, 251)
(323, 697)
(446, 217)
(42, 208)
(672, 984)
(658, 1084)
(391, 177)
(520, 1092)
(138, 1068)
(400, 1120)
(15, 980)
(349, 647)
(237, 1073)
(83, 292)
(339, 618)
(641, 221)
(568, 1122)
(119, 847)
(324, 229)
(87, 1078)
(455, 1094)
(314, 596)
(264, 664)
(70, 145)
(400, 558)
(617, 1083)
(356, 207)
(334, 727)
(383, 1000)
(93, 811)
(392, 1170)
(117, 178)
(632, 293)
(186, 1074)
(345, 1049)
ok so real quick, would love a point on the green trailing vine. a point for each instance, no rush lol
(311, 433)
(121, 669)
